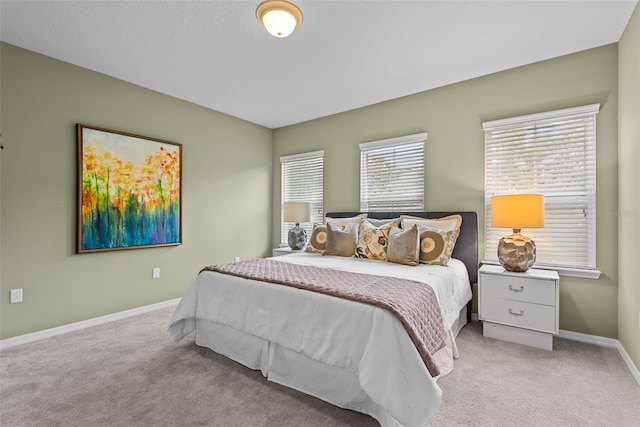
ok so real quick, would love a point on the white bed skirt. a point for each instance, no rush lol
(354, 355)
(292, 369)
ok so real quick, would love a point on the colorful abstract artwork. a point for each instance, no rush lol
(129, 191)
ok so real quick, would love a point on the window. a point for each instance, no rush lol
(553, 154)
(302, 181)
(392, 174)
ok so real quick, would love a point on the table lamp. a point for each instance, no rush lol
(517, 252)
(297, 212)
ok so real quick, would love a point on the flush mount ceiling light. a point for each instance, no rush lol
(279, 17)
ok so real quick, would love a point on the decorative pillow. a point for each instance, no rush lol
(404, 246)
(346, 221)
(381, 222)
(318, 241)
(341, 242)
(436, 245)
(372, 240)
(446, 223)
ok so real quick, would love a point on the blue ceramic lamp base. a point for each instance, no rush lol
(297, 237)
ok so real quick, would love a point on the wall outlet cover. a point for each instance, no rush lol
(16, 296)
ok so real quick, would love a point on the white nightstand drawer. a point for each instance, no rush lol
(521, 314)
(521, 289)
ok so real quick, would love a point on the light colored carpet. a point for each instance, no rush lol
(130, 373)
(496, 383)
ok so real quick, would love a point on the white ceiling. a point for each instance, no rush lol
(346, 54)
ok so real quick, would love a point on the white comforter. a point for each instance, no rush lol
(386, 376)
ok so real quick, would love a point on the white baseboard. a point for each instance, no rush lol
(604, 342)
(48, 333)
(594, 339)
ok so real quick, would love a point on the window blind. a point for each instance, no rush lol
(553, 154)
(392, 174)
(302, 181)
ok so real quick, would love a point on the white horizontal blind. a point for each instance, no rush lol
(553, 154)
(392, 174)
(302, 178)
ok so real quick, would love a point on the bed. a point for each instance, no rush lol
(355, 355)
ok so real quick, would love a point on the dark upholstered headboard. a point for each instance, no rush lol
(466, 249)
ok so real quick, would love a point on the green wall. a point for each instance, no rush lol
(454, 176)
(231, 180)
(226, 193)
(629, 188)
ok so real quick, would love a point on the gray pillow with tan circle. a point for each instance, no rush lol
(318, 240)
(436, 246)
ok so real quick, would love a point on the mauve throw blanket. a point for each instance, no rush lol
(413, 303)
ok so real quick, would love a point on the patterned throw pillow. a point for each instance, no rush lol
(318, 241)
(373, 241)
(341, 242)
(436, 246)
(404, 246)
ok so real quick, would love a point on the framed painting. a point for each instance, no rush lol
(129, 191)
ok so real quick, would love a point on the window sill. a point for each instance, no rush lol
(563, 271)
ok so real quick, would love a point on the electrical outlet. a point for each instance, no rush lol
(237, 259)
(155, 273)
(16, 296)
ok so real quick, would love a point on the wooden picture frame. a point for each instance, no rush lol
(129, 191)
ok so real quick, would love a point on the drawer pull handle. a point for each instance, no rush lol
(511, 288)
(513, 313)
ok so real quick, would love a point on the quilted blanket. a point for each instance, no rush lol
(413, 303)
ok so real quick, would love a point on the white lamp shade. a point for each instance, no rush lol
(297, 212)
(517, 211)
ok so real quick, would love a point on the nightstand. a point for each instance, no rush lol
(519, 307)
(284, 251)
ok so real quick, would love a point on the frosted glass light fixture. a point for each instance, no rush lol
(279, 17)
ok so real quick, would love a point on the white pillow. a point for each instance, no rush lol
(447, 223)
(345, 222)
